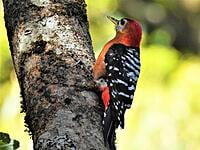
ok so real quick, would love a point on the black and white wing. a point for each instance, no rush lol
(122, 72)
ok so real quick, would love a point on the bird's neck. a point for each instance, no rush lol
(121, 38)
(127, 39)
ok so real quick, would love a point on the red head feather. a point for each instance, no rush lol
(128, 32)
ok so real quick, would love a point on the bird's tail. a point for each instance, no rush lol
(110, 123)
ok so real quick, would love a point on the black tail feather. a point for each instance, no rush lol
(110, 123)
(121, 115)
(111, 142)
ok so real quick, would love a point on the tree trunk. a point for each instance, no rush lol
(52, 54)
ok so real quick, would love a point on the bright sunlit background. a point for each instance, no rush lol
(166, 110)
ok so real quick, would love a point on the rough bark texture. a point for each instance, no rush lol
(52, 54)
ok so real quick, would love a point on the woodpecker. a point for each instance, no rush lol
(116, 72)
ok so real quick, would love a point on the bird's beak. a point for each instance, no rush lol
(115, 21)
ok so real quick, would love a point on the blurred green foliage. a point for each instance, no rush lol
(6, 143)
(166, 110)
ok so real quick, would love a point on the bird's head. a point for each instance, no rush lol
(128, 31)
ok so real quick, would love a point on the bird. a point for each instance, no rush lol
(116, 72)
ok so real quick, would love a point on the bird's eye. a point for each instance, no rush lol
(122, 22)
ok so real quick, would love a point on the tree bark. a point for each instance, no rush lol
(52, 55)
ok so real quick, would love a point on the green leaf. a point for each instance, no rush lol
(6, 143)
(4, 137)
(16, 144)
